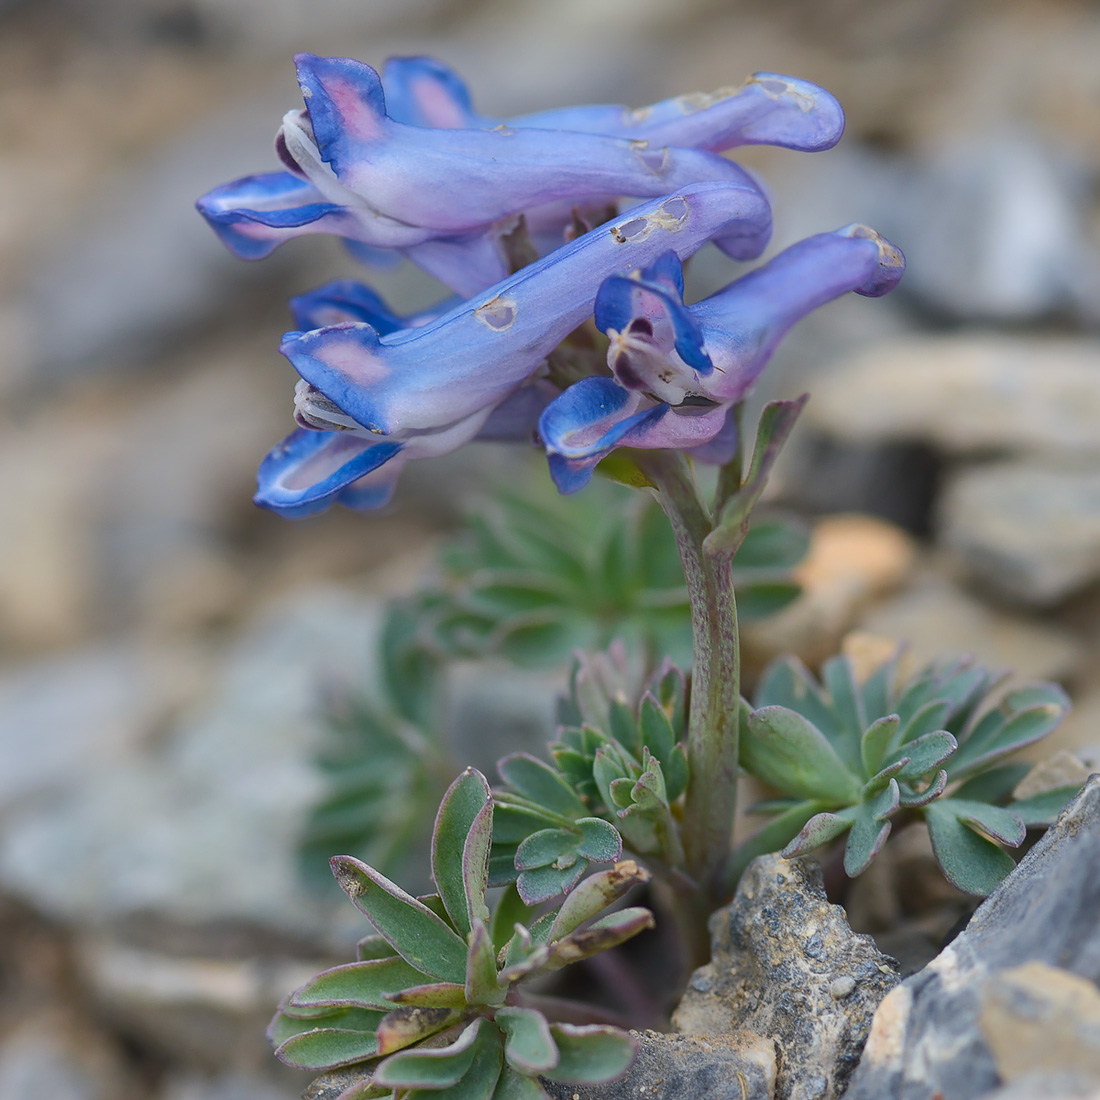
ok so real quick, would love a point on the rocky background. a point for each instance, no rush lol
(163, 645)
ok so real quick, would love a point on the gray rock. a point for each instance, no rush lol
(200, 1011)
(202, 825)
(58, 1056)
(1026, 531)
(224, 1086)
(675, 1067)
(137, 266)
(994, 226)
(930, 1035)
(974, 394)
(786, 965)
(1048, 1086)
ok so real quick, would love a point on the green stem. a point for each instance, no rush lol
(715, 678)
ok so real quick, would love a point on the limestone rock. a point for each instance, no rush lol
(787, 966)
(956, 1028)
(966, 395)
(1040, 1017)
(671, 1067)
(1027, 532)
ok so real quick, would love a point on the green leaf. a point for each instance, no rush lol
(773, 543)
(876, 740)
(516, 1086)
(359, 983)
(925, 754)
(839, 678)
(1043, 809)
(600, 840)
(590, 1054)
(409, 1024)
(676, 773)
(760, 599)
(819, 830)
(417, 934)
(556, 847)
(482, 986)
(460, 849)
(438, 1068)
(995, 785)
(877, 691)
(374, 947)
(926, 719)
(969, 861)
(509, 911)
(481, 1078)
(987, 746)
(623, 728)
(787, 682)
(776, 422)
(600, 935)
(1001, 825)
(327, 1048)
(786, 750)
(919, 795)
(593, 895)
(285, 1025)
(544, 638)
(433, 995)
(544, 883)
(502, 865)
(512, 822)
(870, 830)
(771, 837)
(541, 784)
(528, 1045)
(656, 728)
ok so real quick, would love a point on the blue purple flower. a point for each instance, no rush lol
(415, 171)
(677, 369)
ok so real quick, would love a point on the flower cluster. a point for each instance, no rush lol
(535, 226)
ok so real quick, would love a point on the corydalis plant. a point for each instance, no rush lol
(620, 770)
(435, 1001)
(534, 577)
(853, 756)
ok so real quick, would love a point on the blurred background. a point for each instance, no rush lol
(164, 645)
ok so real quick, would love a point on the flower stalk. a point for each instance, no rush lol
(711, 799)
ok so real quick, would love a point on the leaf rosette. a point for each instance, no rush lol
(433, 1001)
(850, 756)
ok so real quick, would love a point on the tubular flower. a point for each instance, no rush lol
(677, 370)
(378, 391)
(437, 194)
(501, 211)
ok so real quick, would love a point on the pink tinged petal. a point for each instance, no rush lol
(473, 356)
(303, 474)
(723, 446)
(592, 416)
(421, 91)
(254, 215)
(456, 181)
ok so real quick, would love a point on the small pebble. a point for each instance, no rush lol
(842, 987)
